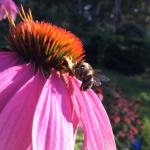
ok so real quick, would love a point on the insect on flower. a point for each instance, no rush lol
(48, 109)
(82, 71)
(89, 77)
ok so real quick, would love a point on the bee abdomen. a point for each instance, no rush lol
(87, 83)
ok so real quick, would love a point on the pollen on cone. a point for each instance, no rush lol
(44, 43)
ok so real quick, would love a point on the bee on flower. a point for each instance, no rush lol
(41, 104)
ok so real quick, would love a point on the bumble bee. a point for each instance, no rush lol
(82, 71)
(85, 73)
(89, 77)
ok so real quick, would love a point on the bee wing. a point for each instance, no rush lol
(102, 78)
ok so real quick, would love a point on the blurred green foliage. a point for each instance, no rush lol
(126, 50)
(146, 134)
(136, 88)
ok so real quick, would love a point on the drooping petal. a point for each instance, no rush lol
(17, 116)
(52, 126)
(11, 8)
(8, 59)
(93, 119)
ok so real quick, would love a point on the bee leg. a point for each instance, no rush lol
(69, 64)
(87, 83)
(85, 86)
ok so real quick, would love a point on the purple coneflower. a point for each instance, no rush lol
(41, 104)
(10, 7)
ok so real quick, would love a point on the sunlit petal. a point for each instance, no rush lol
(52, 126)
(93, 119)
(17, 116)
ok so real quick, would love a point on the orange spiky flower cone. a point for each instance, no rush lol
(44, 43)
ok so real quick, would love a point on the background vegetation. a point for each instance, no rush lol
(116, 38)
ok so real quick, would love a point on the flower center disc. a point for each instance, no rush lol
(44, 44)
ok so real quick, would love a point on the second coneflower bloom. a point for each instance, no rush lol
(41, 104)
(10, 7)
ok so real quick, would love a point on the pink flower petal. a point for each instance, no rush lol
(17, 116)
(11, 80)
(8, 59)
(93, 119)
(52, 126)
(11, 8)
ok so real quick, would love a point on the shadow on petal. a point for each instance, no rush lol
(12, 80)
(8, 59)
